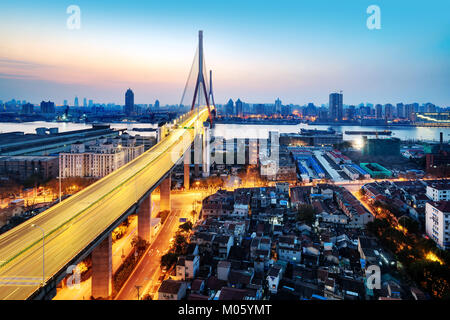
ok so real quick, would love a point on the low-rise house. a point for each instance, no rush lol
(241, 207)
(187, 267)
(198, 286)
(227, 293)
(204, 240)
(273, 278)
(240, 278)
(172, 290)
(299, 195)
(222, 245)
(332, 218)
(223, 270)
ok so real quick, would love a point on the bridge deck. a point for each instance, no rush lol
(74, 223)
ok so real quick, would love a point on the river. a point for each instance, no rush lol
(229, 131)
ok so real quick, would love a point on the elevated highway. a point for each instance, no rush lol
(78, 222)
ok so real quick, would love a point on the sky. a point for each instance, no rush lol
(297, 50)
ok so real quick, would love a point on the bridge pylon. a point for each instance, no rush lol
(201, 78)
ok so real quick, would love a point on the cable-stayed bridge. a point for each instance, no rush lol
(34, 256)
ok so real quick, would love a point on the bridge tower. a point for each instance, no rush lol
(201, 78)
(211, 94)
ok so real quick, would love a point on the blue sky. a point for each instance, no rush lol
(298, 50)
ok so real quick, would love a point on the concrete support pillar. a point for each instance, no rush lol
(206, 153)
(187, 163)
(164, 201)
(145, 218)
(102, 269)
(196, 170)
(198, 154)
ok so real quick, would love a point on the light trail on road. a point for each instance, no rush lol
(70, 226)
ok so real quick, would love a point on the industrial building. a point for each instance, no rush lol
(438, 158)
(375, 170)
(308, 167)
(381, 147)
(49, 141)
(355, 172)
(312, 138)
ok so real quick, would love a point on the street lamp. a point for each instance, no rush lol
(43, 252)
(137, 288)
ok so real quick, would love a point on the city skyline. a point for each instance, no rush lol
(249, 201)
(296, 51)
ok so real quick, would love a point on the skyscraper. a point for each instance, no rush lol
(388, 111)
(379, 111)
(27, 108)
(351, 111)
(156, 104)
(47, 107)
(335, 107)
(410, 112)
(239, 109)
(400, 110)
(278, 105)
(229, 107)
(75, 103)
(84, 102)
(129, 103)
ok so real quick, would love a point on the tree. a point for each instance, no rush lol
(180, 244)
(408, 223)
(362, 192)
(139, 244)
(163, 215)
(193, 214)
(186, 227)
(169, 259)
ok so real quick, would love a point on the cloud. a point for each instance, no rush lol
(16, 76)
(21, 64)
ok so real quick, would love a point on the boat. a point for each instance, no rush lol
(144, 129)
(380, 133)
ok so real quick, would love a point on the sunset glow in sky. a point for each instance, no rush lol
(297, 50)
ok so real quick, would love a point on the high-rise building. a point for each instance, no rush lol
(65, 103)
(91, 103)
(84, 102)
(437, 215)
(99, 159)
(351, 112)
(47, 107)
(409, 112)
(229, 107)
(285, 110)
(400, 110)
(278, 105)
(75, 103)
(239, 108)
(260, 108)
(388, 111)
(27, 108)
(429, 107)
(156, 104)
(336, 106)
(129, 103)
(379, 111)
